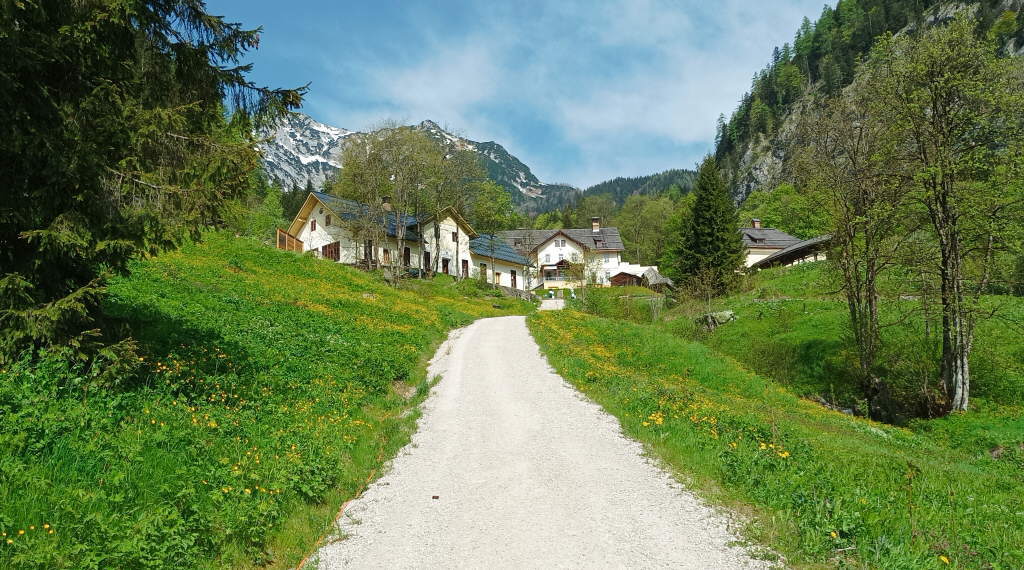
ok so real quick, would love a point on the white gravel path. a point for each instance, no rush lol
(527, 474)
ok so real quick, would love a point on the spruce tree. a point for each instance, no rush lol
(709, 246)
(127, 127)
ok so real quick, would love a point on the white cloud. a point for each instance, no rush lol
(628, 87)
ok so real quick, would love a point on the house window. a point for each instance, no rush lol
(547, 258)
(517, 243)
(312, 225)
(387, 255)
(497, 277)
(575, 256)
(561, 256)
(327, 222)
(455, 236)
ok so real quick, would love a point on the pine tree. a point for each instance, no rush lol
(709, 246)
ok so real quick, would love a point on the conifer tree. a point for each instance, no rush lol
(709, 245)
(116, 143)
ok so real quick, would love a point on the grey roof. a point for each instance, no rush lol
(799, 248)
(349, 209)
(767, 237)
(525, 241)
(489, 245)
(654, 277)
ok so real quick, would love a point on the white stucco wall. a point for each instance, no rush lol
(445, 247)
(755, 254)
(600, 265)
(504, 270)
(325, 234)
(551, 251)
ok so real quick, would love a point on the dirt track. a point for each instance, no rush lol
(526, 473)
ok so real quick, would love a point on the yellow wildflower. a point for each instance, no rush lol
(834, 534)
(944, 559)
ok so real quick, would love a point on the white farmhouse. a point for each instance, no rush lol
(445, 244)
(566, 258)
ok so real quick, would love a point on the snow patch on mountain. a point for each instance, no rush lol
(300, 150)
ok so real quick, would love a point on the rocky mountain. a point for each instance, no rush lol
(755, 143)
(300, 150)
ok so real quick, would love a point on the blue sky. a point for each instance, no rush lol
(581, 91)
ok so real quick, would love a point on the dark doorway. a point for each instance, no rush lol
(465, 269)
(444, 265)
(406, 256)
(513, 276)
(426, 261)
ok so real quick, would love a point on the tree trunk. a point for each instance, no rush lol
(957, 329)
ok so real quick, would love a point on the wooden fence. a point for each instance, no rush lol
(288, 242)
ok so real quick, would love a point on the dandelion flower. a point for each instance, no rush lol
(834, 534)
(944, 559)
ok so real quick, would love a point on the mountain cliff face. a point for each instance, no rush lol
(754, 144)
(300, 149)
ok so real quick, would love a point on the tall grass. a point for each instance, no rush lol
(272, 385)
(825, 487)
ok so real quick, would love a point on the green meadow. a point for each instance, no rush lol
(731, 411)
(270, 388)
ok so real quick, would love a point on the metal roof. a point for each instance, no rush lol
(526, 240)
(490, 245)
(796, 249)
(767, 237)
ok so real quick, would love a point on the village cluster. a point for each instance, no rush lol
(521, 260)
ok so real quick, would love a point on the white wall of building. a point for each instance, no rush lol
(504, 270)
(600, 265)
(451, 244)
(755, 254)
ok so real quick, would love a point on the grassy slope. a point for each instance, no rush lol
(266, 398)
(791, 328)
(826, 486)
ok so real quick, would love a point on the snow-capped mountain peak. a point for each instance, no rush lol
(300, 150)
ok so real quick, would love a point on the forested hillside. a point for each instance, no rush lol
(821, 60)
(621, 188)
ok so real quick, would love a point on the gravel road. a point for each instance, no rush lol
(513, 468)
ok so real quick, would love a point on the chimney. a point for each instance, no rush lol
(595, 224)
(755, 223)
(385, 202)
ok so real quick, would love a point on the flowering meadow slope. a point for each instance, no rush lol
(821, 486)
(271, 386)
